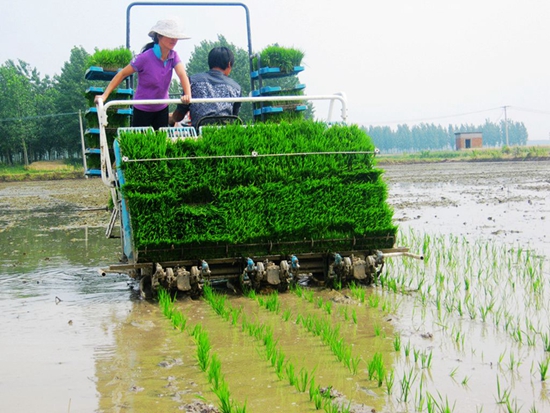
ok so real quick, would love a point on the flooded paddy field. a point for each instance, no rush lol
(465, 330)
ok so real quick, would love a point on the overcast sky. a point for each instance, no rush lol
(398, 61)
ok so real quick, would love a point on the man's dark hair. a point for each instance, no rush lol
(221, 57)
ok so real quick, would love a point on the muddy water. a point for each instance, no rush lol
(503, 201)
(484, 362)
(75, 341)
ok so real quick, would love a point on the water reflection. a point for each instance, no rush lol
(26, 248)
(55, 310)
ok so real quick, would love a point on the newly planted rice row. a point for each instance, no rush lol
(449, 352)
(471, 293)
(212, 364)
(284, 368)
(208, 363)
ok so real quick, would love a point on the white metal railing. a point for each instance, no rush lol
(107, 174)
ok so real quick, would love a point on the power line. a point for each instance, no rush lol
(53, 115)
(437, 117)
(530, 110)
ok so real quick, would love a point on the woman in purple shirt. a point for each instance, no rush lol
(154, 67)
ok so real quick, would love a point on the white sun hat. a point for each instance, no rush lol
(168, 28)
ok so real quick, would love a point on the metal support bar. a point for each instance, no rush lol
(107, 173)
(403, 254)
(197, 4)
(112, 222)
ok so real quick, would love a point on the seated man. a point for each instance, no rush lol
(215, 83)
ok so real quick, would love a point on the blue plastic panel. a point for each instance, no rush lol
(271, 109)
(97, 73)
(272, 72)
(96, 90)
(268, 90)
(93, 172)
(276, 109)
(126, 111)
(267, 109)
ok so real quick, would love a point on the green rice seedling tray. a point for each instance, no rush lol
(236, 191)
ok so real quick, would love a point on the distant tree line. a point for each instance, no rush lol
(435, 137)
(40, 116)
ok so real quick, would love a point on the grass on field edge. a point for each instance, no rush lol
(514, 153)
(40, 176)
(55, 170)
(41, 171)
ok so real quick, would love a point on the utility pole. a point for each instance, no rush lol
(506, 125)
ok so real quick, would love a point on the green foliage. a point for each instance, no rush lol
(516, 153)
(17, 89)
(206, 207)
(69, 98)
(284, 58)
(40, 115)
(110, 58)
(26, 101)
(537, 152)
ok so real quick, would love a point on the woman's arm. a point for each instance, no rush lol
(115, 81)
(184, 80)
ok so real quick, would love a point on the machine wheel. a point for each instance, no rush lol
(145, 287)
(256, 285)
(196, 292)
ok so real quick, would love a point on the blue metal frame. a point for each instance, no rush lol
(125, 228)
